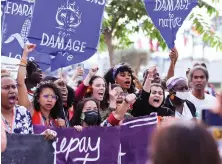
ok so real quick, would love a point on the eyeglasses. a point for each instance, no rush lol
(53, 97)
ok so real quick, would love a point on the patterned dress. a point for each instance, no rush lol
(22, 121)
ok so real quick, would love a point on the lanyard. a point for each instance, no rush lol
(9, 127)
(43, 121)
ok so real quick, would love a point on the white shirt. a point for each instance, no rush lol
(186, 114)
(209, 102)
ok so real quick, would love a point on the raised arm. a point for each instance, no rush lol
(149, 79)
(22, 90)
(120, 112)
(173, 59)
(141, 106)
(81, 90)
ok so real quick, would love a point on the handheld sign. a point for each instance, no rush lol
(67, 29)
(168, 16)
(16, 23)
(15, 27)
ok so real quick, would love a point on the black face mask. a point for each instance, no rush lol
(91, 118)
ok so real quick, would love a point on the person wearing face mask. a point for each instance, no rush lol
(151, 99)
(177, 98)
(86, 114)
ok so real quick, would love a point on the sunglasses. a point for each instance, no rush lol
(53, 97)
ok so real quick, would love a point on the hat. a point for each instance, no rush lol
(171, 82)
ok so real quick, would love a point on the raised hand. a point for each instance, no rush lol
(173, 55)
(113, 95)
(130, 98)
(29, 48)
(93, 70)
(151, 72)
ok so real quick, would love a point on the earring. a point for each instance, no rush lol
(172, 97)
(89, 89)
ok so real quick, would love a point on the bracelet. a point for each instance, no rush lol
(24, 61)
(22, 65)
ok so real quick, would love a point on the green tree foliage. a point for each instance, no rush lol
(125, 17)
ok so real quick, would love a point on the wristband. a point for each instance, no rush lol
(24, 61)
(22, 65)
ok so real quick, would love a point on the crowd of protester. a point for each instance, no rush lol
(33, 99)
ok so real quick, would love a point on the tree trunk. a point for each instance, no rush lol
(137, 65)
(108, 42)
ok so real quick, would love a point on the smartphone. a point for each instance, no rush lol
(210, 118)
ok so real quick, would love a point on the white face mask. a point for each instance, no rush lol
(182, 95)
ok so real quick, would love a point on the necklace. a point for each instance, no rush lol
(9, 125)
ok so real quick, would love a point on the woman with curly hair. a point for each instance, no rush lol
(121, 74)
(46, 108)
(47, 105)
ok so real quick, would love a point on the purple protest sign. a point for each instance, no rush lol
(97, 145)
(135, 139)
(168, 16)
(114, 145)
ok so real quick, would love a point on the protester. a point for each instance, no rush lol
(46, 108)
(183, 142)
(122, 103)
(75, 82)
(121, 74)
(48, 105)
(87, 113)
(177, 98)
(198, 78)
(67, 96)
(3, 138)
(15, 118)
(151, 98)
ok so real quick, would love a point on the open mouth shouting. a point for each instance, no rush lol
(101, 95)
(12, 99)
(127, 84)
(156, 102)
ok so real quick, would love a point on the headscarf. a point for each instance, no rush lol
(171, 82)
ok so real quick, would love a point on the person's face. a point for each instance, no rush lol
(9, 92)
(156, 96)
(124, 79)
(156, 78)
(121, 95)
(181, 86)
(61, 85)
(47, 99)
(89, 106)
(36, 75)
(98, 87)
(199, 80)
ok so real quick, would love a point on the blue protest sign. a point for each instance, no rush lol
(15, 27)
(16, 23)
(168, 16)
(67, 29)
